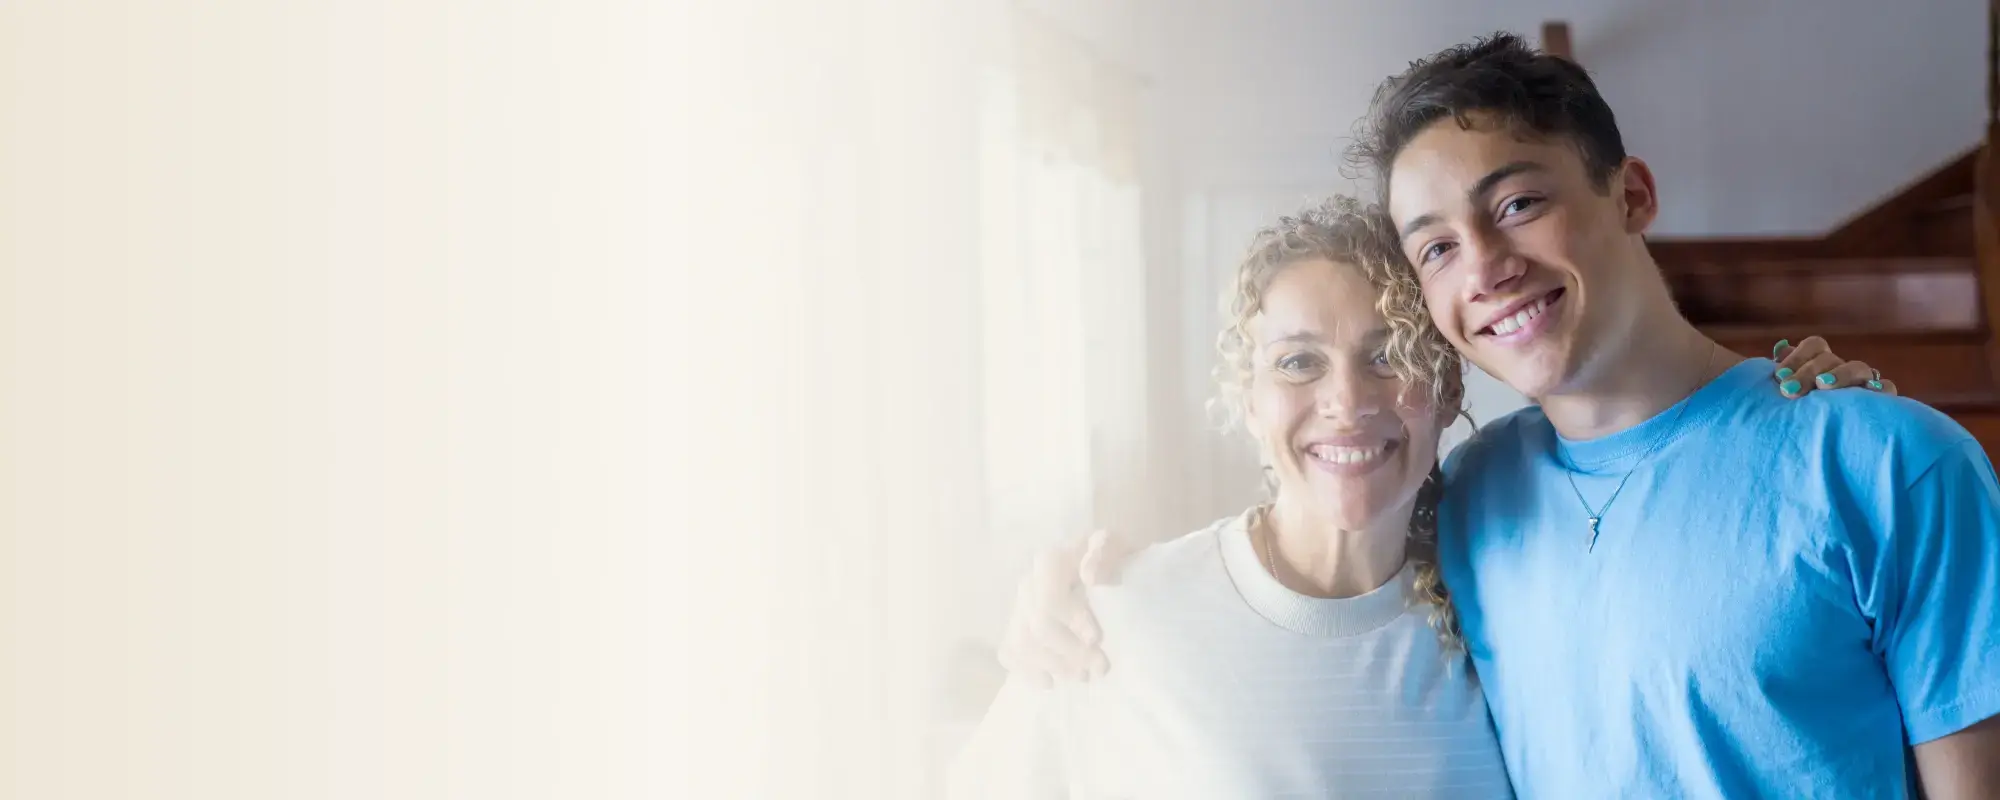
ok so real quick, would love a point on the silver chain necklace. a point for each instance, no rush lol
(1597, 516)
(1270, 560)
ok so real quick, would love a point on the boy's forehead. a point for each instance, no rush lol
(1447, 150)
(1445, 163)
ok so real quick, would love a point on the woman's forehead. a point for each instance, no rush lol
(1319, 299)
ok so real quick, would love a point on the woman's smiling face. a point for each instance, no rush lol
(1334, 422)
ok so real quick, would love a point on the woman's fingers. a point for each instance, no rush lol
(1039, 645)
(1853, 373)
(1057, 647)
(1051, 632)
(1104, 557)
(1812, 365)
(1813, 373)
(1792, 357)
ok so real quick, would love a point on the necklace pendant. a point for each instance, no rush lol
(1592, 547)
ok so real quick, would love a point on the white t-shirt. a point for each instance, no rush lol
(1226, 684)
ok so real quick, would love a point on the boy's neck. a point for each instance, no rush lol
(1649, 372)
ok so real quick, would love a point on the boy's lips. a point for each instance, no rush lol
(1523, 318)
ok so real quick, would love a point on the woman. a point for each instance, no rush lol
(1304, 647)
(1248, 650)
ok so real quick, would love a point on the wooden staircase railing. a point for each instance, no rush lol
(1912, 285)
(1986, 194)
(1899, 287)
(1984, 422)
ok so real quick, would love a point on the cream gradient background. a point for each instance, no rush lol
(415, 399)
(583, 398)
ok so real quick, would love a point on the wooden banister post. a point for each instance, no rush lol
(1555, 40)
(1986, 196)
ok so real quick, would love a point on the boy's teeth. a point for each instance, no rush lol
(1511, 324)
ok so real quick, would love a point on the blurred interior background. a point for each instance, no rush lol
(619, 399)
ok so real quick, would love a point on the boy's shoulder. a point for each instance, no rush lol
(1506, 441)
(1857, 427)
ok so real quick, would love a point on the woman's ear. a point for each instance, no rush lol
(1256, 434)
(1445, 417)
(1249, 398)
(1256, 439)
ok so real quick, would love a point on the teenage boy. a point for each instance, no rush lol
(1671, 581)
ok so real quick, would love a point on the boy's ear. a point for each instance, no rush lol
(1639, 196)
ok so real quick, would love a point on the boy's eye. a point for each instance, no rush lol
(1518, 205)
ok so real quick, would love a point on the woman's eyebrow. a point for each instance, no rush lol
(1373, 336)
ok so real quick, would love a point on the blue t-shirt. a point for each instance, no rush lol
(1785, 594)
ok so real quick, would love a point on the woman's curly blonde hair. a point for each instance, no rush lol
(1343, 231)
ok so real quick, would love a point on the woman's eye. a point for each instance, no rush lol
(1299, 362)
(1434, 251)
(1380, 365)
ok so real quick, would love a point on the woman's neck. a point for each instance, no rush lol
(1313, 556)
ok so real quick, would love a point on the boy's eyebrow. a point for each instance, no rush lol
(1421, 222)
(1485, 185)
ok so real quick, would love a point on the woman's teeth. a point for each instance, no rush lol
(1514, 323)
(1347, 455)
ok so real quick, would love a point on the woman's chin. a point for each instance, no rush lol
(1348, 514)
(1349, 507)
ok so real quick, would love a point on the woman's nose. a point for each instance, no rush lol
(1348, 396)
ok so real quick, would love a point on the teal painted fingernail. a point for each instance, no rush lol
(1790, 387)
(1876, 385)
(1826, 380)
(1779, 346)
(1784, 372)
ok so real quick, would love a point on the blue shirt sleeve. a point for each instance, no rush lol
(1936, 595)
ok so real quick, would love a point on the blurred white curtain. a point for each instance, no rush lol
(838, 330)
(936, 246)
(1061, 289)
(596, 399)
(1062, 328)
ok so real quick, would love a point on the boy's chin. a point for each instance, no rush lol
(1534, 379)
(1534, 373)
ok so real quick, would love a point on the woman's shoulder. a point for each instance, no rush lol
(1166, 599)
(1172, 560)
(1170, 569)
